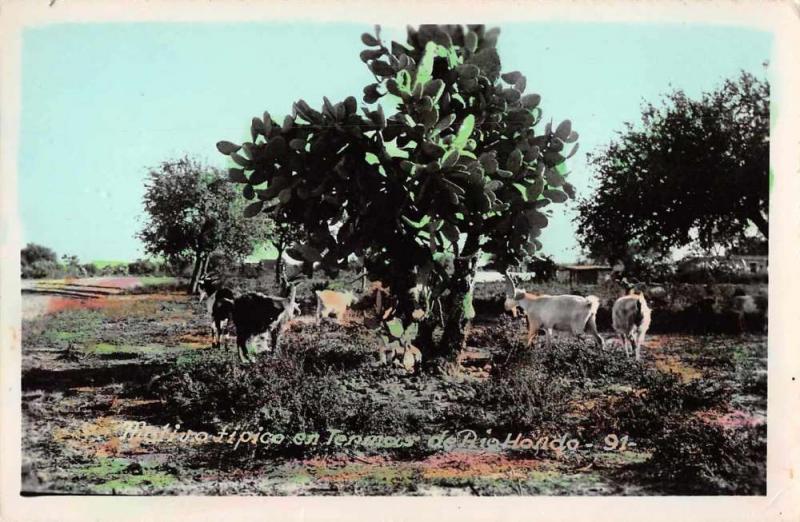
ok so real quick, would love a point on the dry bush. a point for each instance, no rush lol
(694, 457)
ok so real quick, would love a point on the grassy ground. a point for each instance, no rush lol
(690, 419)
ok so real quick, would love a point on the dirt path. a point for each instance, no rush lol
(44, 296)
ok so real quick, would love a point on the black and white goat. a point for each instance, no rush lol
(255, 314)
(219, 304)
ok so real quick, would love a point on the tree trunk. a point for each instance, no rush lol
(280, 271)
(204, 266)
(198, 261)
(455, 322)
(761, 222)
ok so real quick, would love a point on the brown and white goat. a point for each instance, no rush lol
(219, 305)
(569, 313)
(332, 302)
(630, 317)
(255, 314)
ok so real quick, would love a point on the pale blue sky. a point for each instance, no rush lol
(102, 102)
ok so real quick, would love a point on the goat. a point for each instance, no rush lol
(329, 301)
(630, 317)
(742, 306)
(219, 305)
(255, 313)
(570, 313)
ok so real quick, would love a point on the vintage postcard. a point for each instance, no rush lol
(262, 254)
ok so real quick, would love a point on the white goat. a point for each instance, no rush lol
(743, 305)
(630, 316)
(569, 313)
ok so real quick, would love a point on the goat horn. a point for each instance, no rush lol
(510, 285)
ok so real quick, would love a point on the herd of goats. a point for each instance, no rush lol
(254, 314)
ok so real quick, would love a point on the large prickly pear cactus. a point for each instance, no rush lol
(458, 169)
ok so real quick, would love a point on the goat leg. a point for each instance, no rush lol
(241, 347)
(274, 338)
(624, 341)
(592, 327)
(548, 338)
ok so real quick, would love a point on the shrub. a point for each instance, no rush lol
(520, 398)
(342, 350)
(302, 389)
(694, 457)
(274, 393)
(144, 267)
(642, 413)
(39, 269)
(582, 361)
(33, 253)
(114, 270)
(37, 261)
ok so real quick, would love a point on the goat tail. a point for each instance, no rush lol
(594, 304)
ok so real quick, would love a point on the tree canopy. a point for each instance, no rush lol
(458, 168)
(34, 252)
(193, 211)
(694, 172)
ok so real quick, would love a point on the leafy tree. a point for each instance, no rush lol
(192, 212)
(544, 267)
(144, 267)
(283, 233)
(33, 252)
(694, 172)
(37, 261)
(456, 170)
(750, 246)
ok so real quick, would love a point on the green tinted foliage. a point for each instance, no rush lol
(191, 210)
(454, 118)
(458, 169)
(33, 252)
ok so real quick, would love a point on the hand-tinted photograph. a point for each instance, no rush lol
(306, 258)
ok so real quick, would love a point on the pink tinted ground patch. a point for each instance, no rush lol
(122, 303)
(34, 305)
(477, 464)
(733, 419)
(60, 304)
(124, 283)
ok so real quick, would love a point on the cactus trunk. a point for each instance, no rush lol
(457, 314)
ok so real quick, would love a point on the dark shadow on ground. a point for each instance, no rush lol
(62, 380)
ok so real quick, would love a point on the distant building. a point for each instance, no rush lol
(583, 274)
(754, 264)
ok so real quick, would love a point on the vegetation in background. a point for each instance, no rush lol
(191, 213)
(37, 261)
(544, 268)
(651, 179)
